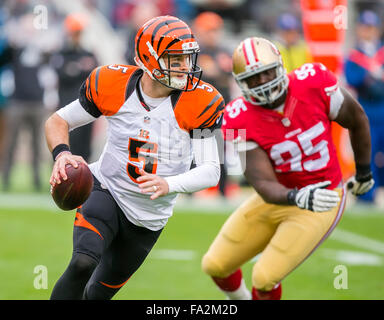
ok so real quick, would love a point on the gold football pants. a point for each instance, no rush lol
(284, 235)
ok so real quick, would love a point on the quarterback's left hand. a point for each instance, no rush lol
(151, 183)
(360, 185)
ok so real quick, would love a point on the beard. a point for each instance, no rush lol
(179, 83)
(176, 82)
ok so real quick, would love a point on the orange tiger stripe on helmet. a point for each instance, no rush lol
(165, 32)
(159, 36)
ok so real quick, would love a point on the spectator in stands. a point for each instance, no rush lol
(142, 12)
(73, 64)
(3, 99)
(124, 11)
(231, 10)
(290, 43)
(364, 71)
(27, 57)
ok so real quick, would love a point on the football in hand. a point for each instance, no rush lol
(74, 191)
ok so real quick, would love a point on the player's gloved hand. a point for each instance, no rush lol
(314, 197)
(362, 182)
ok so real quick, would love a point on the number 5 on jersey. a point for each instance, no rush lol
(140, 155)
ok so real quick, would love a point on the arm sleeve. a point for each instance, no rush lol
(336, 101)
(206, 174)
(330, 91)
(75, 115)
(87, 98)
(210, 118)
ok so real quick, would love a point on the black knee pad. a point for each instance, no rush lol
(82, 264)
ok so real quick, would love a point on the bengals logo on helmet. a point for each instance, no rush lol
(162, 38)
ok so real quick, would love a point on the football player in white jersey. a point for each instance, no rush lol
(158, 114)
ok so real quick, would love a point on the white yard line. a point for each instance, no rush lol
(172, 254)
(357, 240)
(183, 204)
(27, 201)
(353, 258)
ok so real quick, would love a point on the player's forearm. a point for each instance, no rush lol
(204, 176)
(352, 117)
(361, 140)
(260, 174)
(56, 131)
(361, 147)
(270, 191)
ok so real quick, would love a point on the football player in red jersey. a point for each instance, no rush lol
(290, 161)
(159, 114)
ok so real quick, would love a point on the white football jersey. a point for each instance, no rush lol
(157, 140)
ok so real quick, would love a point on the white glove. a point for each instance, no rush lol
(314, 197)
(360, 187)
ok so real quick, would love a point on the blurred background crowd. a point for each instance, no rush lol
(48, 48)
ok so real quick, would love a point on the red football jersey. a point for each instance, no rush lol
(298, 140)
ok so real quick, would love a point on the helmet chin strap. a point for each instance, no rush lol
(176, 83)
(143, 67)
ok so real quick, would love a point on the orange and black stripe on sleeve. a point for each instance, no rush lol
(107, 88)
(209, 117)
(199, 111)
(87, 96)
(212, 114)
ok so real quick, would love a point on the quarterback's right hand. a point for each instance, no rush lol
(61, 161)
(314, 197)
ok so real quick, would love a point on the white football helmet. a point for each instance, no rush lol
(253, 56)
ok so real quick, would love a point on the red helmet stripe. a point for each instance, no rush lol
(245, 54)
(250, 50)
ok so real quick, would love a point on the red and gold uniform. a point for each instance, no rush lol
(299, 144)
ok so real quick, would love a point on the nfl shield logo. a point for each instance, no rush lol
(147, 119)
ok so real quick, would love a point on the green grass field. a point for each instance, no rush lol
(30, 238)
(34, 233)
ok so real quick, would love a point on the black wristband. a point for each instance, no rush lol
(59, 149)
(291, 196)
(363, 172)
